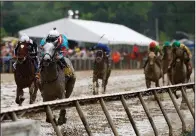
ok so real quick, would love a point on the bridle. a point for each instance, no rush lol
(46, 64)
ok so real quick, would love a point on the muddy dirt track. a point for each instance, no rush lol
(126, 80)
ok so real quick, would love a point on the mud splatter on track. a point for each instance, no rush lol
(126, 80)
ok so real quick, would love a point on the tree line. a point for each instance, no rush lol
(140, 16)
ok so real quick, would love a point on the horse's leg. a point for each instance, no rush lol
(31, 92)
(45, 99)
(36, 86)
(163, 78)
(69, 86)
(62, 119)
(104, 82)
(148, 83)
(168, 79)
(97, 87)
(19, 96)
(94, 83)
(183, 105)
(158, 85)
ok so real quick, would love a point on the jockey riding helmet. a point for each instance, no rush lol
(152, 45)
(176, 44)
(24, 38)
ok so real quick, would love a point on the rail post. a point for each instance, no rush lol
(51, 118)
(178, 110)
(83, 119)
(164, 114)
(148, 114)
(187, 102)
(108, 117)
(129, 115)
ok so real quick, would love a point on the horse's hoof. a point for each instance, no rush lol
(17, 101)
(62, 120)
(31, 102)
(48, 121)
(21, 98)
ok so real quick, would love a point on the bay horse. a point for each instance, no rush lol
(101, 71)
(24, 74)
(152, 71)
(54, 82)
(178, 73)
(167, 58)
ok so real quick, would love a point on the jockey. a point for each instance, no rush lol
(165, 45)
(105, 48)
(156, 49)
(33, 52)
(177, 44)
(62, 43)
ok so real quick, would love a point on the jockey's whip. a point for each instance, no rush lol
(100, 38)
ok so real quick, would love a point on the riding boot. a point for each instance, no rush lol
(159, 63)
(62, 63)
(189, 67)
(36, 63)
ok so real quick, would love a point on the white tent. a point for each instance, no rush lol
(90, 31)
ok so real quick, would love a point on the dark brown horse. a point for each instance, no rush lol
(178, 73)
(167, 58)
(101, 71)
(25, 75)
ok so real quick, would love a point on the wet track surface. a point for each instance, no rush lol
(126, 80)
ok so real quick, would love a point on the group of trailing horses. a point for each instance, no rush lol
(178, 73)
(55, 82)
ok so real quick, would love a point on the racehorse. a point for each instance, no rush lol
(178, 73)
(53, 79)
(152, 71)
(24, 74)
(167, 58)
(101, 71)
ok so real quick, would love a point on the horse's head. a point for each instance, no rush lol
(99, 56)
(179, 54)
(48, 53)
(22, 51)
(168, 52)
(151, 58)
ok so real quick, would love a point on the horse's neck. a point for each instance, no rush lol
(50, 71)
(179, 67)
(26, 68)
(151, 68)
(100, 66)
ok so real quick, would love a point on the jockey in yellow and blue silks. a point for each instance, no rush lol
(62, 43)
